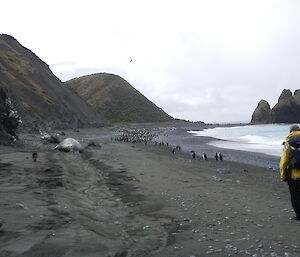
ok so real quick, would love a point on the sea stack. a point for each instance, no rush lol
(287, 110)
(262, 113)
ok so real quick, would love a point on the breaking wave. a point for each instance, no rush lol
(265, 139)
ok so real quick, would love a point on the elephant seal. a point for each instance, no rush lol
(69, 145)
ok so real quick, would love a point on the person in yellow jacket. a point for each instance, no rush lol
(290, 170)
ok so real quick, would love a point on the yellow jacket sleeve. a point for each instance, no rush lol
(284, 163)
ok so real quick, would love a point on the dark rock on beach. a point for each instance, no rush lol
(93, 144)
(9, 118)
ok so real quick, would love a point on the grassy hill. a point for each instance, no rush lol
(115, 99)
(40, 98)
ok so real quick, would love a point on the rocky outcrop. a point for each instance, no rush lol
(287, 110)
(9, 118)
(297, 96)
(262, 113)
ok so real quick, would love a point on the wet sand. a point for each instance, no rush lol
(198, 144)
(127, 199)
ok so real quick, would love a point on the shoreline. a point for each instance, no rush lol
(177, 134)
(200, 145)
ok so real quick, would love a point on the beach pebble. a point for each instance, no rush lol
(224, 171)
(21, 205)
(296, 246)
(215, 178)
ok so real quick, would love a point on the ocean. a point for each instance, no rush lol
(265, 139)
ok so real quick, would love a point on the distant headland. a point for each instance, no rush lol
(287, 110)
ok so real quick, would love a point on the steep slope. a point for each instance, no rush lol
(115, 99)
(40, 98)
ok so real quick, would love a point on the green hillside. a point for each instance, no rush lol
(115, 99)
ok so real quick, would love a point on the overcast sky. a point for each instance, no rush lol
(208, 60)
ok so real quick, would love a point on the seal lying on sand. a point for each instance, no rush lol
(69, 145)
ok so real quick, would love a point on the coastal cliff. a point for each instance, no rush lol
(287, 109)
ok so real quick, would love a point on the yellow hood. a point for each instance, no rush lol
(293, 133)
(285, 172)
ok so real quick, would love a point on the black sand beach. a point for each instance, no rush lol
(136, 199)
